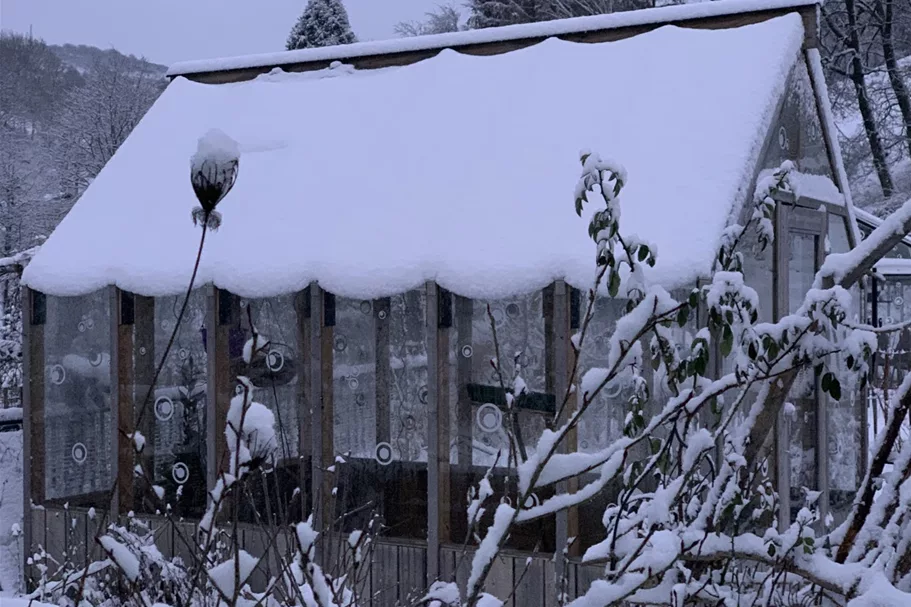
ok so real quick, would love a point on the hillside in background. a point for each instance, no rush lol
(82, 58)
(64, 111)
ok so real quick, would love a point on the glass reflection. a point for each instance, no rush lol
(77, 399)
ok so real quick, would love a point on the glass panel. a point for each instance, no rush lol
(844, 451)
(797, 134)
(476, 402)
(380, 397)
(273, 366)
(838, 235)
(759, 273)
(803, 427)
(273, 371)
(812, 155)
(602, 423)
(893, 355)
(175, 421)
(77, 399)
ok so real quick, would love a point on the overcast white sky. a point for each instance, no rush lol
(166, 31)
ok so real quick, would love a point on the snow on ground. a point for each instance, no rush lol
(458, 169)
(10, 514)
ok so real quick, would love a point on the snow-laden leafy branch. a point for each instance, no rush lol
(694, 518)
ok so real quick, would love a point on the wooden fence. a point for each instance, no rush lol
(397, 577)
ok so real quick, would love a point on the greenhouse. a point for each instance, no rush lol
(397, 205)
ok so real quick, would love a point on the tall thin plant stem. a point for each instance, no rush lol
(183, 310)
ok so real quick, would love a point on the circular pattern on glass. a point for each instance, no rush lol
(382, 314)
(531, 502)
(410, 423)
(353, 383)
(506, 500)
(275, 361)
(164, 408)
(498, 316)
(340, 343)
(423, 394)
(489, 417)
(243, 303)
(467, 351)
(58, 375)
(360, 400)
(180, 473)
(239, 389)
(96, 360)
(183, 354)
(584, 444)
(613, 389)
(82, 327)
(513, 310)
(383, 454)
(90, 323)
(79, 453)
(899, 301)
(366, 308)
(142, 350)
(783, 142)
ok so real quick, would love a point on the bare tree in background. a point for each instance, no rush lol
(98, 117)
(32, 78)
(446, 18)
(847, 45)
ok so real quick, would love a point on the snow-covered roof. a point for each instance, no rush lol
(458, 168)
(561, 27)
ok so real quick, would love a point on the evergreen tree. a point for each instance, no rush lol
(323, 23)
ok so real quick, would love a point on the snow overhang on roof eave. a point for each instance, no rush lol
(600, 28)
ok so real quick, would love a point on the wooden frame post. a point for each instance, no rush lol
(122, 311)
(304, 309)
(321, 338)
(34, 316)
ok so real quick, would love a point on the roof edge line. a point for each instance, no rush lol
(667, 15)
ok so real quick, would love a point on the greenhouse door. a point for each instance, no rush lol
(802, 430)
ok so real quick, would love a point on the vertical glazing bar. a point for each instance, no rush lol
(381, 320)
(435, 415)
(304, 315)
(143, 372)
(316, 404)
(822, 416)
(782, 458)
(567, 520)
(212, 431)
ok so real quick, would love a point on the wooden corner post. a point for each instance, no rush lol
(34, 316)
